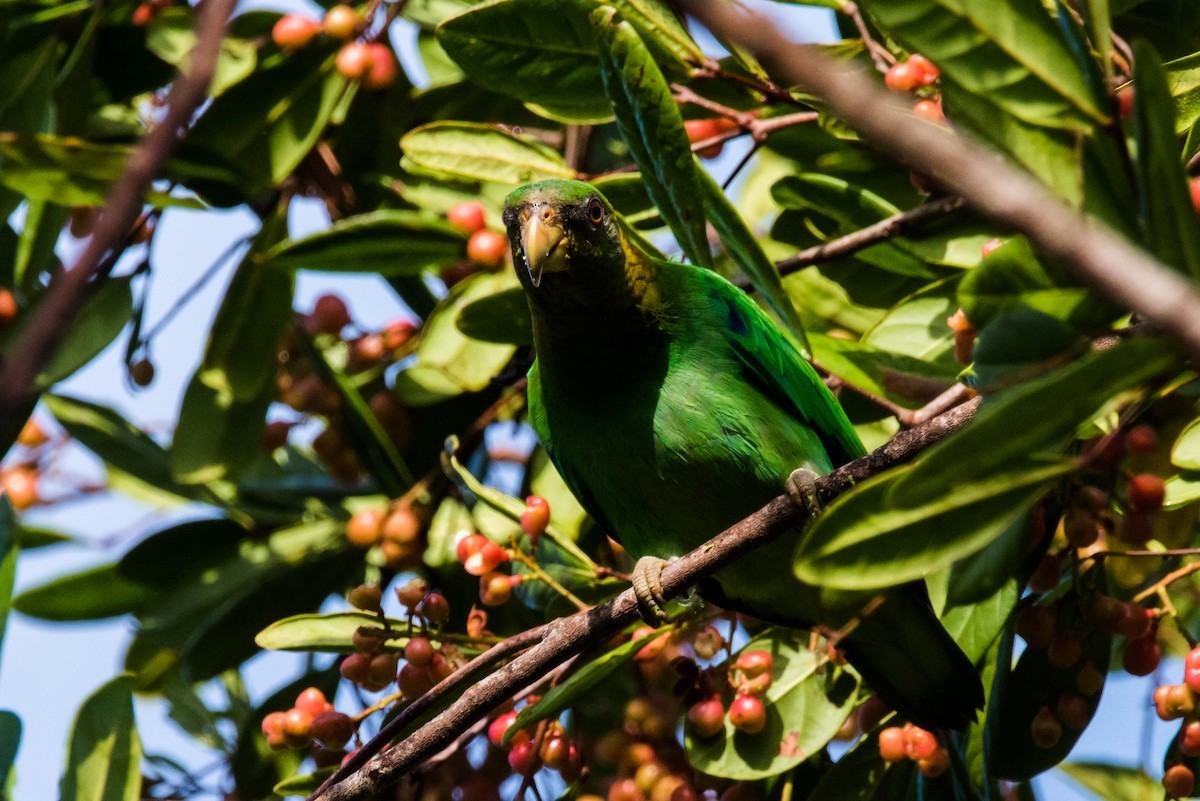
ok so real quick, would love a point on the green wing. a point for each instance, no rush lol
(773, 359)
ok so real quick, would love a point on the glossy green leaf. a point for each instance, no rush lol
(880, 536)
(91, 594)
(99, 322)
(477, 152)
(1014, 53)
(115, 440)
(448, 362)
(806, 705)
(916, 326)
(163, 557)
(389, 243)
(9, 548)
(650, 123)
(563, 696)
(10, 741)
(1020, 344)
(1011, 277)
(538, 51)
(210, 439)
(170, 36)
(747, 252)
(67, 170)
(1168, 216)
(1183, 81)
(104, 755)
(1114, 781)
(976, 627)
(877, 371)
(1185, 452)
(264, 125)
(331, 632)
(501, 318)
(1033, 684)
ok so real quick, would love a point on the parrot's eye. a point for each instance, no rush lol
(595, 212)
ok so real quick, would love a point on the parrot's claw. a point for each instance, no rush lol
(802, 487)
(647, 587)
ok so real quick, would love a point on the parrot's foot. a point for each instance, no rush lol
(802, 487)
(647, 587)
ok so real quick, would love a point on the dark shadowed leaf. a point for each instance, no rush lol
(9, 548)
(10, 741)
(502, 318)
(91, 594)
(390, 243)
(100, 320)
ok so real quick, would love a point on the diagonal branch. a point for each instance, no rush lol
(1106, 260)
(51, 319)
(563, 638)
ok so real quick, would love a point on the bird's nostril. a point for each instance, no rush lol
(547, 215)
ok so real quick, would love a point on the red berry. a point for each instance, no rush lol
(435, 608)
(893, 744)
(1189, 741)
(707, 717)
(383, 671)
(495, 589)
(296, 723)
(1179, 701)
(700, 130)
(272, 729)
(536, 516)
(8, 308)
(479, 555)
(625, 790)
(340, 22)
(919, 743)
(1124, 98)
(356, 668)
(748, 714)
(402, 525)
(989, 247)
(1105, 611)
(414, 681)
(1135, 621)
(382, 72)
(363, 530)
(523, 757)
(329, 315)
(332, 729)
(1035, 625)
(1179, 781)
(1046, 576)
(311, 701)
(1146, 492)
(555, 752)
(354, 60)
(143, 14)
(934, 765)
(1073, 712)
(924, 67)
(1137, 528)
(419, 651)
(467, 216)
(487, 248)
(412, 593)
(708, 642)
(498, 727)
(1064, 650)
(1141, 439)
(1045, 729)
(1141, 655)
(754, 663)
(294, 31)
(903, 77)
(652, 649)
(396, 333)
(929, 110)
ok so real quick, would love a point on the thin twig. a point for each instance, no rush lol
(563, 638)
(879, 54)
(52, 318)
(1170, 578)
(1104, 259)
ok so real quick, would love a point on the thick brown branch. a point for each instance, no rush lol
(566, 637)
(1103, 258)
(51, 320)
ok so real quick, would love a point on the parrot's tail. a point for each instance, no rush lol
(908, 659)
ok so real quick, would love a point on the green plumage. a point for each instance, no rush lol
(673, 407)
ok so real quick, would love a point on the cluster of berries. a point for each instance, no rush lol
(397, 529)
(914, 743)
(750, 678)
(311, 718)
(1179, 702)
(915, 75)
(371, 63)
(486, 249)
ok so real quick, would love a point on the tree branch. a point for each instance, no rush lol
(1121, 270)
(563, 638)
(51, 319)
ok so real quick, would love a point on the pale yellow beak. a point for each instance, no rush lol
(543, 242)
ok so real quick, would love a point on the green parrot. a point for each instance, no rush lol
(674, 407)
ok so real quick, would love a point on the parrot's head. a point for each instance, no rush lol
(567, 243)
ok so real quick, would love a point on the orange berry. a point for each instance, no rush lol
(382, 72)
(467, 216)
(364, 528)
(893, 745)
(21, 486)
(354, 60)
(926, 71)
(487, 248)
(903, 77)
(929, 110)
(294, 31)
(341, 22)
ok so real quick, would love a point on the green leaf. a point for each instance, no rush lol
(170, 37)
(99, 322)
(91, 594)
(1114, 781)
(976, 627)
(1014, 54)
(10, 741)
(1033, 684)
(30, 537)
(332, 632)
(862, 775)
(502, 318)
(538, 51)
(163, 557)
(1185, 453)
(9, 548)
(104, 755)
(264, 125)
(1020, 344)
(1168, 215)
(1183, 82)
(745, 249)
(115, 440)
(448, 362)
(807, 703)
(916, 326)
(877, 371)
(879, 536)
(391, 243)
(477, 152)
(650, 123)
(211, 441)
(563, 696)
(305, 784)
